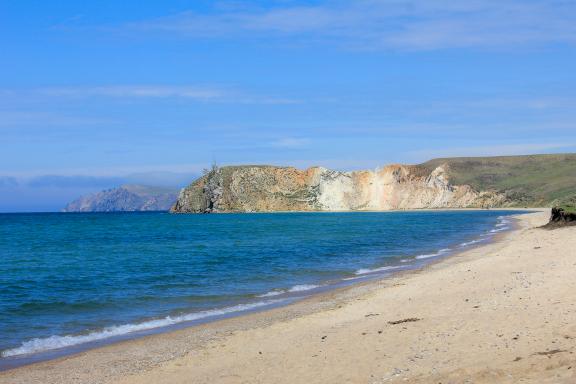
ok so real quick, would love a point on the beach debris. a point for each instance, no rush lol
(372, 314)
(517, 359)
(550, 353)
(408, 320)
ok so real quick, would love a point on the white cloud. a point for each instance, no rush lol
(385, 24)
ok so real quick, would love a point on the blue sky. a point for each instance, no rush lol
(95, 94)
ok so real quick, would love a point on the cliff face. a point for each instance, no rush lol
(268, 188)
(127, 198)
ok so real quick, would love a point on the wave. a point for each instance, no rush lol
(303, 287)
(364, 271)
(352, 278)
(499, 229)
(467, 243)
(273, 293)
(56, 342)
(439, 253)
(296, 288)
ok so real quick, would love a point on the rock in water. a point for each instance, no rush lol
(126, 198)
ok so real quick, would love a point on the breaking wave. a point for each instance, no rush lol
(364, 271)
(439, 253)
(56, 342)
(296, 288)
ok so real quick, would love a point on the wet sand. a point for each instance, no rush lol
(501, 313)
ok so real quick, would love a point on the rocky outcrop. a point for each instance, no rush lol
(270, 188)
(126, 198)
(561, 217)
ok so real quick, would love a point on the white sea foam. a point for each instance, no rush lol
(273, 293)
(364, 271)
(352, 278)
(303, 287)
(55, 342)
(296, 288)
(498, 229)
(439, 253)
(467, 243)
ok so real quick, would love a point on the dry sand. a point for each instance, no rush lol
(500, 313)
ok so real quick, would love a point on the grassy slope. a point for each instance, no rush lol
(528, 180)
(568, 208)
(569, 204)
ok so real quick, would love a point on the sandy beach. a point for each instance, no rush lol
(501, 313)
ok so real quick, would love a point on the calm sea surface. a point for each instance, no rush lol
(68, 279)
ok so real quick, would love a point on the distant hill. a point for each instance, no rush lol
(126, 198)
(474, 182)
(532, 180)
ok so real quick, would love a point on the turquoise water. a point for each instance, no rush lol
(68, 279)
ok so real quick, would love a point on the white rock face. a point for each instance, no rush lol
(335, 190)
(393, 187)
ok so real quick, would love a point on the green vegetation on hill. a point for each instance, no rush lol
(533, 180)
(568, 204)
(568, 208)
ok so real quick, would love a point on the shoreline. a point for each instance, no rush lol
(150, 355)
(278, 299)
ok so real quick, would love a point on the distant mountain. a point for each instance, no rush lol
(126, 198)
(475, 182)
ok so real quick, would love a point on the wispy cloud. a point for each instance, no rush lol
(185, 92)
(50, 119)
(291, 142)
(138, 91)
(386, 24)
(493, 150)
(8, 181)
(96, 180)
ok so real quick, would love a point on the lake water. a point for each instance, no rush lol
(69, 279)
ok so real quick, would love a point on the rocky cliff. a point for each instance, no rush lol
(126, 198)
(270, 188)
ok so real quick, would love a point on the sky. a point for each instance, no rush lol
(101, 93)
